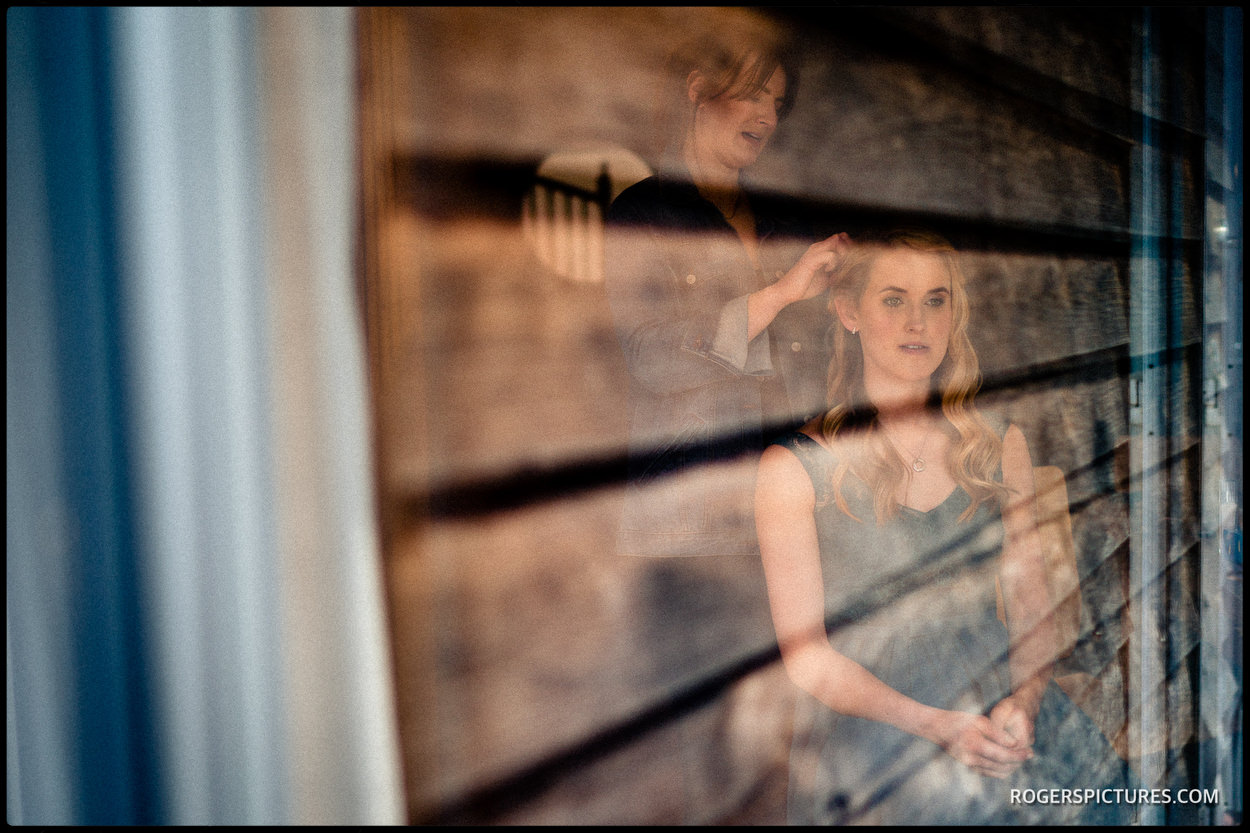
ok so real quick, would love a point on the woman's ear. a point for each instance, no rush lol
(695, 83)
(847, 314)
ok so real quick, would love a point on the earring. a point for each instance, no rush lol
(855, 331)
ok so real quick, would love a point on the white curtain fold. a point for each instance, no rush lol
(251, 415)
(225, 211)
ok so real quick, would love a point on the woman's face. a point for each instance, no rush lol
(904, 317)
(731, 132)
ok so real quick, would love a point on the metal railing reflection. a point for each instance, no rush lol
(564, 224)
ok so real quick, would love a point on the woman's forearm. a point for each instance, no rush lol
(763, 306)
(1030, 613)
(848, 688)
(1030, 662)
(1031, 634)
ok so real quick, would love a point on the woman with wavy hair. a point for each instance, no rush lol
(883, 526)
(951, 387)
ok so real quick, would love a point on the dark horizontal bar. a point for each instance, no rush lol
(450, 188)
(564, 187)
(522, 487)
(536, 484)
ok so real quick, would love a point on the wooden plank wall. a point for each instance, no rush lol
(532, 687)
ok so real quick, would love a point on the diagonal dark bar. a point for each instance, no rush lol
(536, 484)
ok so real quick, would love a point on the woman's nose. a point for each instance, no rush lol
(915, 318)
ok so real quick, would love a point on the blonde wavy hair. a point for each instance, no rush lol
(975, 454)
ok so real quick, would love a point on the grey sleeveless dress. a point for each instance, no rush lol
(913, 601)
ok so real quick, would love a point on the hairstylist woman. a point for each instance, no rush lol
(715, 292)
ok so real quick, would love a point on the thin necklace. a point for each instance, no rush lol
(917, 462)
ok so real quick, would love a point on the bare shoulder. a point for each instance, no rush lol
(784, 457)
(779, 461)
(783, 477)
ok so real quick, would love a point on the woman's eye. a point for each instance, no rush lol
(937, 301)
(893, 301)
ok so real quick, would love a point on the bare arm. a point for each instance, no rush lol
(1030, 623)
(806, 279)
(785, 501)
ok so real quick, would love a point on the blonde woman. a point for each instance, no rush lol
(883, 525)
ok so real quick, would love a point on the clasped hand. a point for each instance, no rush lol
(810, 275)
(996, 745)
